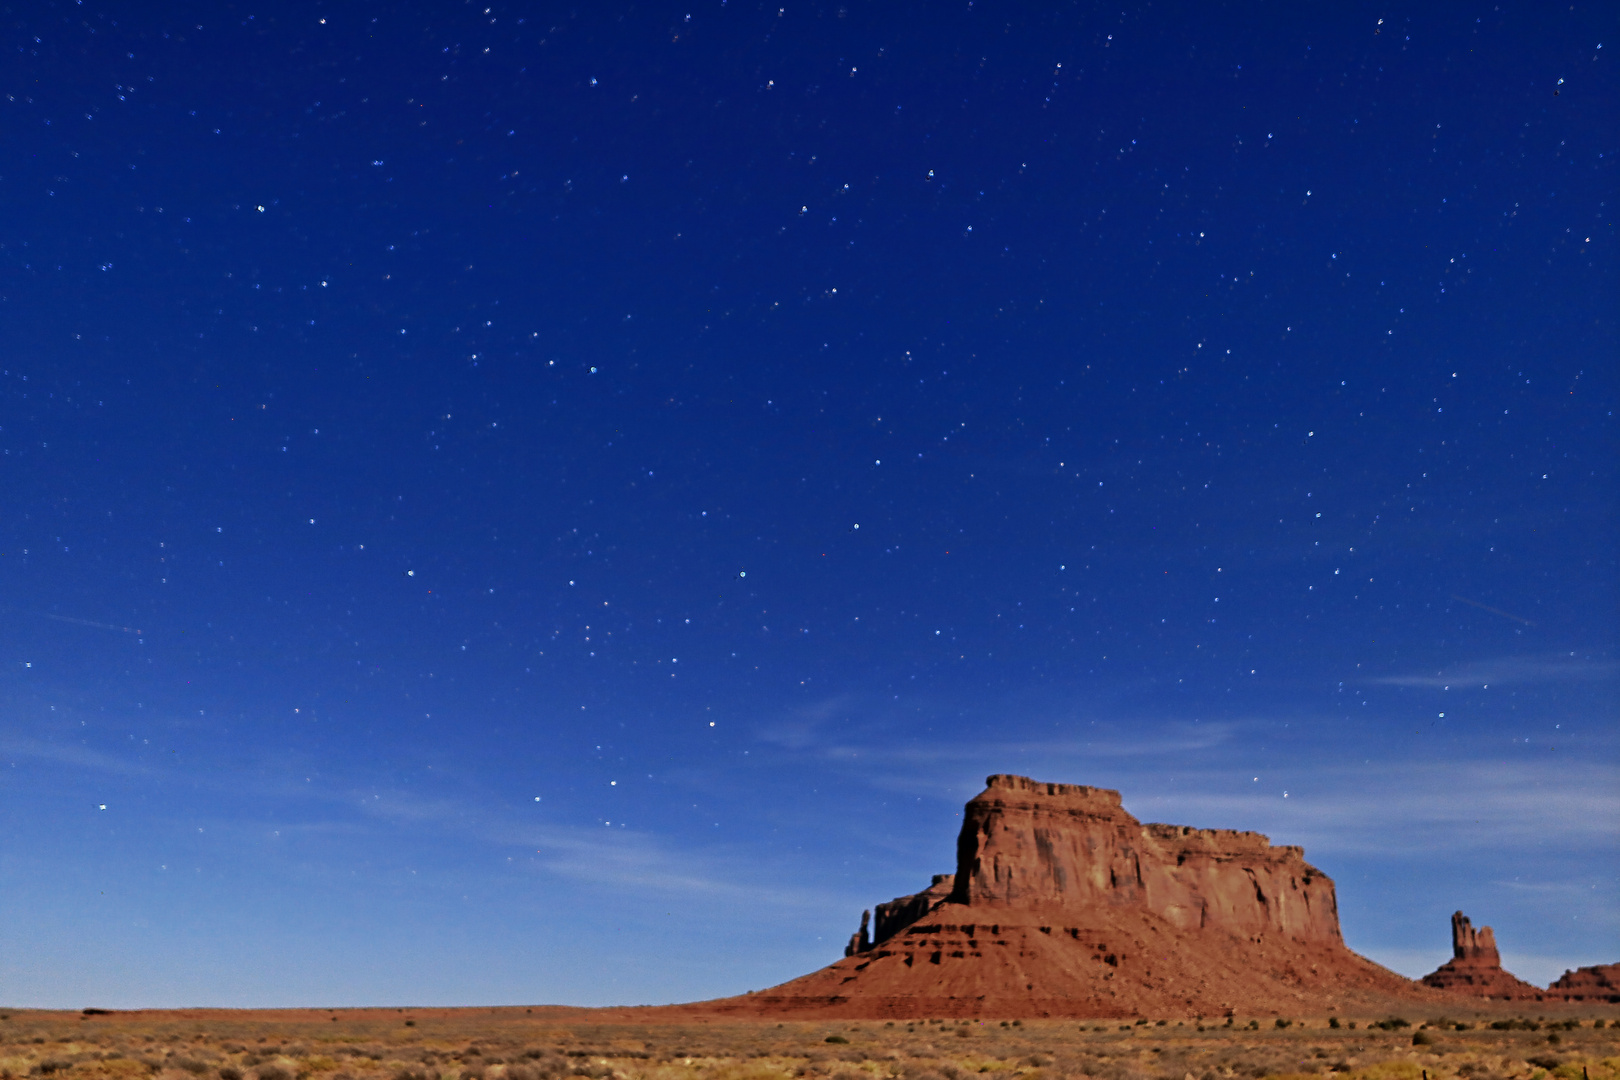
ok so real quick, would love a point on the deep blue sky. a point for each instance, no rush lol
(549, 503)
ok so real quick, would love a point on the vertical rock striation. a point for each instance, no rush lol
(1031, 845)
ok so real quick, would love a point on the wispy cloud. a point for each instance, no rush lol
(1168, 772)
(77, 757)
(1108, 740)
(623, 858)
(803, 727)
(642, 862)
(1508, 670)
(1402, 810)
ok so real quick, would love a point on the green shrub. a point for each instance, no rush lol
(1333, 1022)
(1422, 1038)
(835, 1039)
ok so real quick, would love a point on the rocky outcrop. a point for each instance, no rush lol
(1475, 967)
(1598, 983)
(902, 911)
(1064, 904)
(860, 940)
(1474, 946)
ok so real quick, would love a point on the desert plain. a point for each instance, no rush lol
(1467, 1041)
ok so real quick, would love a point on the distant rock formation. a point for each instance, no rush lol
(1475, 946)
(1063, 904)
(1598, 983)
(1475, 967)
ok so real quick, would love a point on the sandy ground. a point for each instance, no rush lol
(1539, 1042)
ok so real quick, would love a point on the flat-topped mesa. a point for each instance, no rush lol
(1035, 846)
(1063, 904)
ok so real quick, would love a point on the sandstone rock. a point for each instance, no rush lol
(1598, 983)
(902, 911)
(1475, 967)
(1063, 904)
(861, 940)
(1029, 845)
(1470, 944)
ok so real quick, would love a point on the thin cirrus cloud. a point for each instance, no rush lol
(621, 858)
(808, 731)
(1509, 670)
(642, 863)
(618, 858)
(76, 757)
(1394, 810)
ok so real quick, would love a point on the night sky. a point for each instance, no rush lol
(545, 503)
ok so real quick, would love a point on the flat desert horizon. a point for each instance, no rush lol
(1468, 1041)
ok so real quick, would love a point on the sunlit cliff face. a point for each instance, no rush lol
(1031, 845)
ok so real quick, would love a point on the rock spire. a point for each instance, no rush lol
(1475, 967)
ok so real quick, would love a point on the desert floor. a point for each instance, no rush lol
(1538, 1042)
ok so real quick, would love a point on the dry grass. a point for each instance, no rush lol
(516, 1044)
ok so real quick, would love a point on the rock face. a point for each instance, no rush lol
(902, 911)
(1063, 904)
(1031, 846)
(1598, 983)
(1475, 967)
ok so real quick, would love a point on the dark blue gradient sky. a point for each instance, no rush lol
(550, 503)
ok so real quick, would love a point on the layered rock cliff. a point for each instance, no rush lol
(1063, 904)
(1033, 846)
(1600, 982)
(1475, 967)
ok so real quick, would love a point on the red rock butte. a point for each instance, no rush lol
(1475, 967)
(1063, 904)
